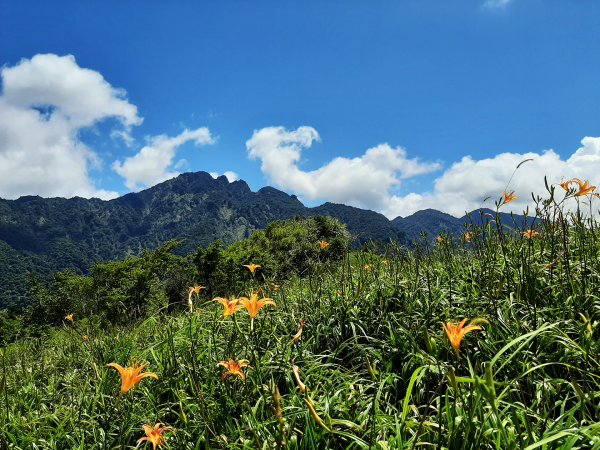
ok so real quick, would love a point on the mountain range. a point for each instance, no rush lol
(44, 235)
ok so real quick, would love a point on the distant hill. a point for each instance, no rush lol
(430, 222)
(433, 223)
(365, 225)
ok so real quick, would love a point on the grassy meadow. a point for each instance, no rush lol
(353, 353)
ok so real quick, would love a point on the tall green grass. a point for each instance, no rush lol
(378, 368)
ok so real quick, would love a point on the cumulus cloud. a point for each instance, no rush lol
(364, 181)
(46, 102)
(374, 180)
(470, 184)
(154, 162)
(81, 95)
(231, 176)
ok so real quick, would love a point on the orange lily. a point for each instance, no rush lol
(323, 244)
(253, 305)
(530, 234)
(467, 236)
(155, 435)
(195, 289)
(234, 368)
(252, 267)
(565, 185)
(440, 239)
(131, 376)
(69, 317)
(584, 188)
(508, 197)
(230, 306)
(456, 333)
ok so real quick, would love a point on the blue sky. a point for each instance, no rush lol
(393, 106)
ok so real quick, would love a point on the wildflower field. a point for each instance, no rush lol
(488, 340)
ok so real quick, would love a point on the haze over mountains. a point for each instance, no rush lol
(44, 235)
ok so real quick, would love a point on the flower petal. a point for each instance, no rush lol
(146, 375)
(119, 368)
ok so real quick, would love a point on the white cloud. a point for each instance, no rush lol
(364, 181)
(231, 176)
(81, 95)
(496, 4)
(373, 180)
(153, 163)
(46, 102)
(467, 184)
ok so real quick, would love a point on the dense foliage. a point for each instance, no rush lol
(352, 355)
(122, 291)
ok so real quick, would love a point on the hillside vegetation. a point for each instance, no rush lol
(489, 341)
(40, 236)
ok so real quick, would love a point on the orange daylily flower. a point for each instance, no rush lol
(565, 185)
(69, 317)
(456, 333)
(508, 197)
(154, 435)
(530, 234)
(230, 306)
(234, 368)
(440, 239)
(131, 376)
(253, 304)
(467, 236)
(584, 188)
(195, 289)
(323, 244)
(252, 267)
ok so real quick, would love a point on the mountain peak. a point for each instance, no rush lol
(430, 213)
